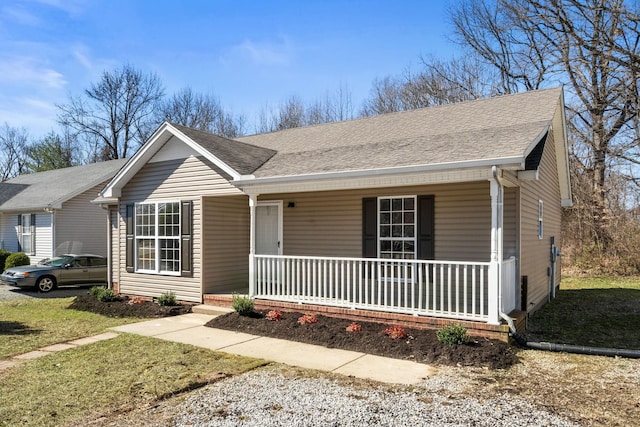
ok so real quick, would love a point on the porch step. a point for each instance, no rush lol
(211, 310)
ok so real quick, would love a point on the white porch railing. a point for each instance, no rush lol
(451, 289)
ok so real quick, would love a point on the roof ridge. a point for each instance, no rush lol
(404, 112)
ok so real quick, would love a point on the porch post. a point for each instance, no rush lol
(496, 191)
(253, 199)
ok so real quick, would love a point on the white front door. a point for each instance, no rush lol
(269, 228)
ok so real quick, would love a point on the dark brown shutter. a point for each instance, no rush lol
(426, 226)
(186, 241)
(19, 233)
(130, 250)
(370, 227)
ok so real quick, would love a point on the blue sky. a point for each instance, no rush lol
(249, 54)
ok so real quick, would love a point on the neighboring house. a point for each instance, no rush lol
(447, 212)
(50, 213)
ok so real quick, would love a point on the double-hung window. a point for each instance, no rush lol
(26, 226)
(397, 227)
(157, 237)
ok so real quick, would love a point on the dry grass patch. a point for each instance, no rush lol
(106, 378)
(29, 324)
(592, 390)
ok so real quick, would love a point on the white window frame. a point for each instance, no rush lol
(413, 239)
(26, 234)
(540, 219)
(157, 239)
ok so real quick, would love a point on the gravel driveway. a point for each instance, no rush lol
(11, 293)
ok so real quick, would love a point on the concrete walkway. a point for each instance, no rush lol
(190, 329)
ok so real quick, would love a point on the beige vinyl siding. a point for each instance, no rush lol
(81, 226)
(535, 252)
(510, 223)
(226, 252)
(44, 235)
(172, 180)
(330, 223)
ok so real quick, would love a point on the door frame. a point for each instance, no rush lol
(279, 205)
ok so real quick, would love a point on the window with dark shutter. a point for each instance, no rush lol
(392, 224)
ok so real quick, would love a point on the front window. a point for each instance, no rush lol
(397, 227)
(26, 239)
(157, 233)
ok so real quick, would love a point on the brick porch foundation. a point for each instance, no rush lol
(479, 329)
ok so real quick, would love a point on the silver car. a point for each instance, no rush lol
(58, 271)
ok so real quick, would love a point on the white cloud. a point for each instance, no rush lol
(266, 53)
(27, 71)
(80, 52)
(72, 7)
(21, 16)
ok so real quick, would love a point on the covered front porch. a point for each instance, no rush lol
(434, 253)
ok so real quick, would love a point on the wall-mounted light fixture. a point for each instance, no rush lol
(291, 204)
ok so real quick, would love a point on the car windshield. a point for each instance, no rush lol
(58, 261)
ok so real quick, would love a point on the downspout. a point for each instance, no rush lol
(109, 243)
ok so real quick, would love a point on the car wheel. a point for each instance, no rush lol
(45, 284)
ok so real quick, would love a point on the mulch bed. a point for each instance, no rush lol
(420, 345)
(125, 307)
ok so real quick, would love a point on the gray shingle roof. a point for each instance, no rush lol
(486, 129)
(244, 158)
(45, 189)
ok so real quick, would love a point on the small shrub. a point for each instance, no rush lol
(453, 335)
(96, 290)
(354, 327)
(243, 305)
(395, 332)
(3, 257)
(307, 318)
(167, 299)
(17, 259)
(274, 315)
(107, 295)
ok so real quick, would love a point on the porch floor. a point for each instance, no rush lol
(481, 329)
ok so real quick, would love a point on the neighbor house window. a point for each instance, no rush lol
(26, 225)
(540, 220)
(397, 227)
(157, 237)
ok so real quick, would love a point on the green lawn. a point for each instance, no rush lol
(593, 311)
(29, 324)
(108, 377)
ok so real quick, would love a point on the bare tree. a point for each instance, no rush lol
(293, 112)
(13, 142)
(440, 82)
(593, 46)
(200, 111)
(116, 113)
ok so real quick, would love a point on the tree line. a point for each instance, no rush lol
(591, 47)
